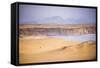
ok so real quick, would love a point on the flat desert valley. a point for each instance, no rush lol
(54, 43)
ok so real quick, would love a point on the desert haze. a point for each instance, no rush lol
(40, 43)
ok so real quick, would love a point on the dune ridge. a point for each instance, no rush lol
(55, 49)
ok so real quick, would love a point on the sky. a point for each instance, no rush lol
(34, 14)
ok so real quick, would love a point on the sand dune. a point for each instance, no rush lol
(49, 49)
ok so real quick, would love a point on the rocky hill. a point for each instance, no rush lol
(52, 30)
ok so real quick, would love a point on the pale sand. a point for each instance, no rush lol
(48, 49)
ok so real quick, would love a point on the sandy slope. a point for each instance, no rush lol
(48, 49)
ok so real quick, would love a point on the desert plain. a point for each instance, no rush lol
(37, 44)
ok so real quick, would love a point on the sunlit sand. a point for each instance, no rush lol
(38, 49)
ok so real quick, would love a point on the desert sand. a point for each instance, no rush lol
(50, 49)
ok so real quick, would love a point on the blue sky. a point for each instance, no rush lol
(33, 14)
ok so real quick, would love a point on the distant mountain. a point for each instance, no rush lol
(54, 19)
(60, 20)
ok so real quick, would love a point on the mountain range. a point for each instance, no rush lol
(60, 20)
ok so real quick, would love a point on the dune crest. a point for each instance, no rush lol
(55, 49)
